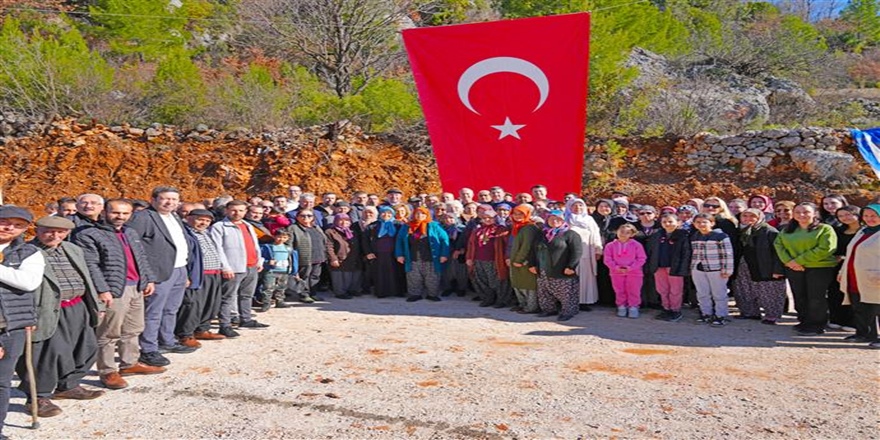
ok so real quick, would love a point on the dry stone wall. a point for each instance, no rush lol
(815, 151)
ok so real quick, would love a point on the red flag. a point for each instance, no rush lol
(505, 101)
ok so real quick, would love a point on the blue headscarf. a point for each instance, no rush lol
(386, 227)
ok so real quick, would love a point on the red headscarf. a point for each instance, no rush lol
(420, 228)
(526, 211)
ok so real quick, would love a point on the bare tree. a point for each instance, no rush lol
(345, 42)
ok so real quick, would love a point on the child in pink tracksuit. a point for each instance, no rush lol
(625, 258)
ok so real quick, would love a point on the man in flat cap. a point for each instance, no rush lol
(201, 306)
(21, 273)
(64, 344)
(122, 275)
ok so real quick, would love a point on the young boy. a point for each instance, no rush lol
(280, 261)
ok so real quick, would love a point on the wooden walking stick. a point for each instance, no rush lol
(29, 363)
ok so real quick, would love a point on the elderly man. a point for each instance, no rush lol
(120, 269)
(206, 305)
(307, 201)
(64, 344)
(240, 261)
(21, 273)
(465, 196)
(166, 245)
(88, 211)
(393, 196)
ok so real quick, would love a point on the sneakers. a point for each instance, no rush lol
(833, 326)
(663, 316)
(674, 316)
(307, 299)
(282, 305)
(621, 311)
(856, 338)
(719, 321)
(228, 332)
(265, 306)
(633, 312)
(705, 319)
(153, 359)
(252, 324)
(177, 348)
(874, 346)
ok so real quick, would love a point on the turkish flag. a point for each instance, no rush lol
(505, 101)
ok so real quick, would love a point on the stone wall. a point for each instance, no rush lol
(815, 151)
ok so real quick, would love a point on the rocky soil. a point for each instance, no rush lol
(382, 368)
(43, 159)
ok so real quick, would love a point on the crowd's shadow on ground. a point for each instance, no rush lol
(602, 322)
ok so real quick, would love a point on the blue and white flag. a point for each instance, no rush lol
(868, 142)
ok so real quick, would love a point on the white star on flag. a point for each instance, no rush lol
(508, 129)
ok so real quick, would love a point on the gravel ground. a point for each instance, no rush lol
(372, 368)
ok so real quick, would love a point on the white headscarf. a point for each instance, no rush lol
(578, 220)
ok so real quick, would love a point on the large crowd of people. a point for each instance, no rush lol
(119, 283)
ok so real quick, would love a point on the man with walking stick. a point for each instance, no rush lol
(21, 273)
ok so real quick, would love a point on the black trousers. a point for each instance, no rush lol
(61, 361)
(837, 312)
(13, 346)
(211, 305)
(865, 317)
(809, 289)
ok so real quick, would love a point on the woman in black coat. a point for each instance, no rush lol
(760, 283)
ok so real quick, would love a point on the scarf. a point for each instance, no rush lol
(746, 233)
(870, 230)
(417, 228)
(451, 230)
(526, 211)
(486, 233)
(578, 220)
(337, 224)
(768, 203)
(386, 227)
(551, 233)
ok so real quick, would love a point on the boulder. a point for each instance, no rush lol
(825, 165)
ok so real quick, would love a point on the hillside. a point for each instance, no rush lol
(70, 158)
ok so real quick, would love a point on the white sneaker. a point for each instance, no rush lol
(847, 328)
(833, 326)
(621, 311)
(633, 312)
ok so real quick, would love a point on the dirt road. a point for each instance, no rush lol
(383, 368)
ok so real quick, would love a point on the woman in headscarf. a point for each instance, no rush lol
(385, 271)
(762, 203)
(486, 259)
(557, 253)
(523, 233)
(422, 246)
(582, 223)
(860, 277)
(344, 257)
(760, 283)
(455, 276)
(368, 215)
